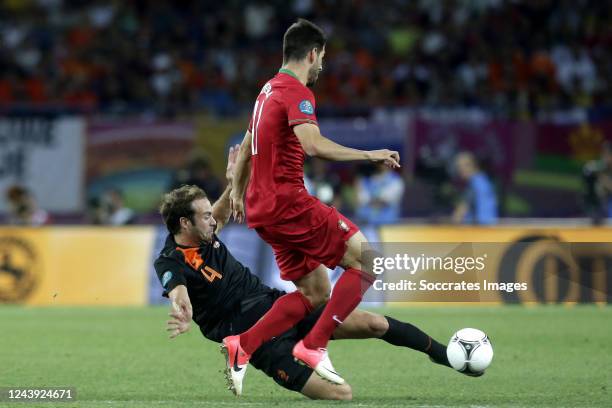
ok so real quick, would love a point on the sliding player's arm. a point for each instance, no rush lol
(173, 281)
(181, 312)
(315, 144)
(221, 209)
(242, 170)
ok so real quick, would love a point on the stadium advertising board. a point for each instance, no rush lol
(63, 266)
(509, 265)
(44, 154)
(75, 266)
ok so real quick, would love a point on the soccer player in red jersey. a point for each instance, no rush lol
(307, 236)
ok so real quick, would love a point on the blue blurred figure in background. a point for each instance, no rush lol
(379, 196)
(478, 204)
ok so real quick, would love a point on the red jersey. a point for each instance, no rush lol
(276, 189)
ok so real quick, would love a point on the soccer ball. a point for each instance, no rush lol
(470, 352)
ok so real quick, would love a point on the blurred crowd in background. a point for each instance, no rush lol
(370, 193)
(516, 58)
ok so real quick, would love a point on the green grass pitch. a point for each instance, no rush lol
(121, 357)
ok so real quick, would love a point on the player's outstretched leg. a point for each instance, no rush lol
(347, 294)
(286, 311)
(284, 314)
(236, 363)
(365, 325)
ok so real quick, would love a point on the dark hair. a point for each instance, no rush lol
(300, 38)
(177, 204)
(16, 193)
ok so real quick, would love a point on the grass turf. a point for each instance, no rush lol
(120, 357)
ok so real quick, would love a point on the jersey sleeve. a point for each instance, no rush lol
(170, 274)
(300, 105)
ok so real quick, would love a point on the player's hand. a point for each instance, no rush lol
(231, 162)
(181, 303)
(237, 206)
(390, 158)
(177, 325)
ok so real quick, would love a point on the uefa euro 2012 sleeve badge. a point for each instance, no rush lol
(343, 226)
(166, 277)
(306, 107)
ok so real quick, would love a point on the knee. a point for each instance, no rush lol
(377, 325)
(318, 389)
(318, 298)
(351, 260)
(341, 393)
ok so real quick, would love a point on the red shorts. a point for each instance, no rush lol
(317, 236)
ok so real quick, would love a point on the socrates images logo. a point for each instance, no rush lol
(18, 270)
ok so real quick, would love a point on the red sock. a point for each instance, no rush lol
(284, 314)
(344, 299)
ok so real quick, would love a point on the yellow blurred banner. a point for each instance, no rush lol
(75, 265)
(499, 264)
